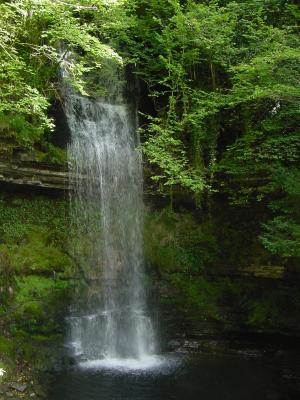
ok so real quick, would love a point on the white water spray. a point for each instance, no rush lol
(107, 210)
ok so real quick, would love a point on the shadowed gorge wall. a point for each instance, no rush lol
(217, 87)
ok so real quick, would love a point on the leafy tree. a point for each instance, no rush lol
(34, 39)
(207, 65)
(223, 77)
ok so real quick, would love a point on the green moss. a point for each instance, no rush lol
(268, 309)
(202, 296)
(19, 214)
(6, 346)
(180, 250)
(37, 254)
(174, 242)
(34, 265)
(37, 303)
(261, 312)
(53, 154)
(184, 258)
(37, 287)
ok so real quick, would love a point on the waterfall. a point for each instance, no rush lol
(110, 321)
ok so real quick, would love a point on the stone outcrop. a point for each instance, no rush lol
(39, 175)
(252, 271)
(28, 168)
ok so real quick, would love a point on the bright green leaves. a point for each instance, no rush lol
(273, 75)
(34, 268)
(216, 71)
(33, 34)
(190, 47)
(19, 99)
(281, 236)
(168, 153)
(210, 30)
(224, 80)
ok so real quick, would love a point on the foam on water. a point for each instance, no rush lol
(147, 363)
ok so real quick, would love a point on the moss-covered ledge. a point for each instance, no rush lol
(44, 167)
(36, 174)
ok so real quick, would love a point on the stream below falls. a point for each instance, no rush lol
(204, 377)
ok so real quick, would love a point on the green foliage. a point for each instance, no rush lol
(53, 154)
(224, 81)
(262, 311)
(37, 254)
(218, 72)
(34, 38)
(34, 267)
(167, 152)
(281, 235)
(268, 309)
(175, 243)
(23, 131)
(225, 87)
(223, 77)
(6, 346)
(180, 249)
(200, 295)
(19, 214)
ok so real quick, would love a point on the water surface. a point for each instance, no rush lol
(204, 377)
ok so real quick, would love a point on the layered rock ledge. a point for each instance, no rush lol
(36, 174)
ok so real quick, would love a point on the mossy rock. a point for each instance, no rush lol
(36, 254)
(6, 346)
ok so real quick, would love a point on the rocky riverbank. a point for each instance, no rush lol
(20, 381)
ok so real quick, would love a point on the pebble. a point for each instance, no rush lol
(20, 387)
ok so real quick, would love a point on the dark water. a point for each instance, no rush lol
(205, 378)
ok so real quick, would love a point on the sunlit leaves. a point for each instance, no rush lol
(33, 34)
(169, 154)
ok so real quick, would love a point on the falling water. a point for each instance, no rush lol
(111, 323)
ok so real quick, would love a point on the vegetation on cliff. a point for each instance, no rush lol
(224, 82)
(222, 77)
(219, 101)
(34, 276)
(36, 37)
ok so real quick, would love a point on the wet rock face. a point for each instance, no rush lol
(174, 345)
(36, 174)
(32, 166)
(25, 167)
